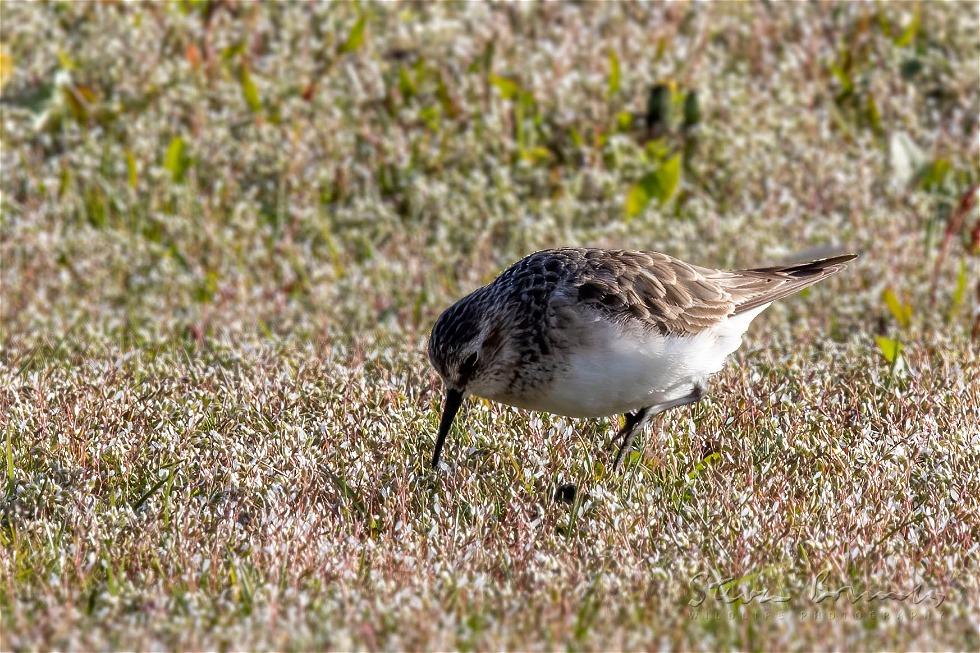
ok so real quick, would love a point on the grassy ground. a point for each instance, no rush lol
(226, 230)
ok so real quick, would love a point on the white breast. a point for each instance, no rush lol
(623, 368)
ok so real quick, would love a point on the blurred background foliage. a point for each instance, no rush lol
(335, 166)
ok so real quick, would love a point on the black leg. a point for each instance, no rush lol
(630, 420)
(628, 432)
(635, 420)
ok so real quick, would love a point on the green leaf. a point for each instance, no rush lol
(959, 294)
(149, 493)
(509, 89)
(890, 349)
(356, 36)
(232, 51)
(911, 30)
(932, 175)
(873, 115)
(901, 311)
(657, 149)
(692, 111)
(614, 74)
(843, 78)
(406, 86)
(432, 117)
(6, 66)
(65, 61)
(624, 121)
(709, 460)
(131, 170)
(175, 160)
(250, 91)
(668, 178)
(188, 6)
(636, 200)
(95, 206)
(207, 287)
(536, 154)
(660, 184)
(80, 99)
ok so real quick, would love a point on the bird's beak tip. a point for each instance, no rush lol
(454, 398)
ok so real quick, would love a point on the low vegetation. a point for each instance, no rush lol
(227, 228)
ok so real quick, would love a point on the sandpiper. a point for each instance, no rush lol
(595, 332)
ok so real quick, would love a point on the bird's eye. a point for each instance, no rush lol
(468, 366)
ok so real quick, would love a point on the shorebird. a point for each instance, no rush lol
(594, 332)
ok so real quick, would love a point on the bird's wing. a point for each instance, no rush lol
(753, 288)
(660, 292)
(650, 289)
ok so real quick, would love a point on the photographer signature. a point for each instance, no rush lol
(728, 590)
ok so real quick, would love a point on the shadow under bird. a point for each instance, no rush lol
(594, 332)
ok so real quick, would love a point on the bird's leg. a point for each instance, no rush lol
(631, 423)
(630, 420)
(635, 420)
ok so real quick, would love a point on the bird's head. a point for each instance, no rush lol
(465, 349)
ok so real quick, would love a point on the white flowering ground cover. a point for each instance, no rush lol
(227, 228)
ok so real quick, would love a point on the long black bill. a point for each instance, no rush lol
(454, 398)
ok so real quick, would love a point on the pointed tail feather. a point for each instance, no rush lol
(753, 288)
